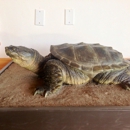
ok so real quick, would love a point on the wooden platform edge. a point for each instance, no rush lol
(5, 67)
(64, 118)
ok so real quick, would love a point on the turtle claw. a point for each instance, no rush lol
(40, 91)
(47, 93)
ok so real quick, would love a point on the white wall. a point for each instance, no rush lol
(103, 21)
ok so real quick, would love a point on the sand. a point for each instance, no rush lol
(17, 86)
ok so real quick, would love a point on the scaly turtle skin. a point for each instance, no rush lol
(73, 64)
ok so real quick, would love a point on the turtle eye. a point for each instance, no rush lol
(15, 49)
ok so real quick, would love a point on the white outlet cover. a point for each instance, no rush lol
(69, 16)
(39, 17)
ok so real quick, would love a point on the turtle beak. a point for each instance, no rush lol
(11, 50)
(7, 50)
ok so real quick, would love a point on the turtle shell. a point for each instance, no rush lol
(89, 57)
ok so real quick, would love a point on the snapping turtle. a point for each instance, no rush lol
(73, 64)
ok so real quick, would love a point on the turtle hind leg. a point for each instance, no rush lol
(125, 79)
(121, 77)
(52, 79)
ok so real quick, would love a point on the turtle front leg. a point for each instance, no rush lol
(53, 79)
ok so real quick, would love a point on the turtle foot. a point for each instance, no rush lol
(126, 85)
(43, 92)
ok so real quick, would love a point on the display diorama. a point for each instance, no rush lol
(71, 75)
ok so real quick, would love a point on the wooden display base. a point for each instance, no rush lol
(64, 118)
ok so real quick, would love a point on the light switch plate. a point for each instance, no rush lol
(39, 17)
(69, 16)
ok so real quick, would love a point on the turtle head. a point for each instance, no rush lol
(25, 57)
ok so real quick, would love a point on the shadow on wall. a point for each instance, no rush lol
(39, 42)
